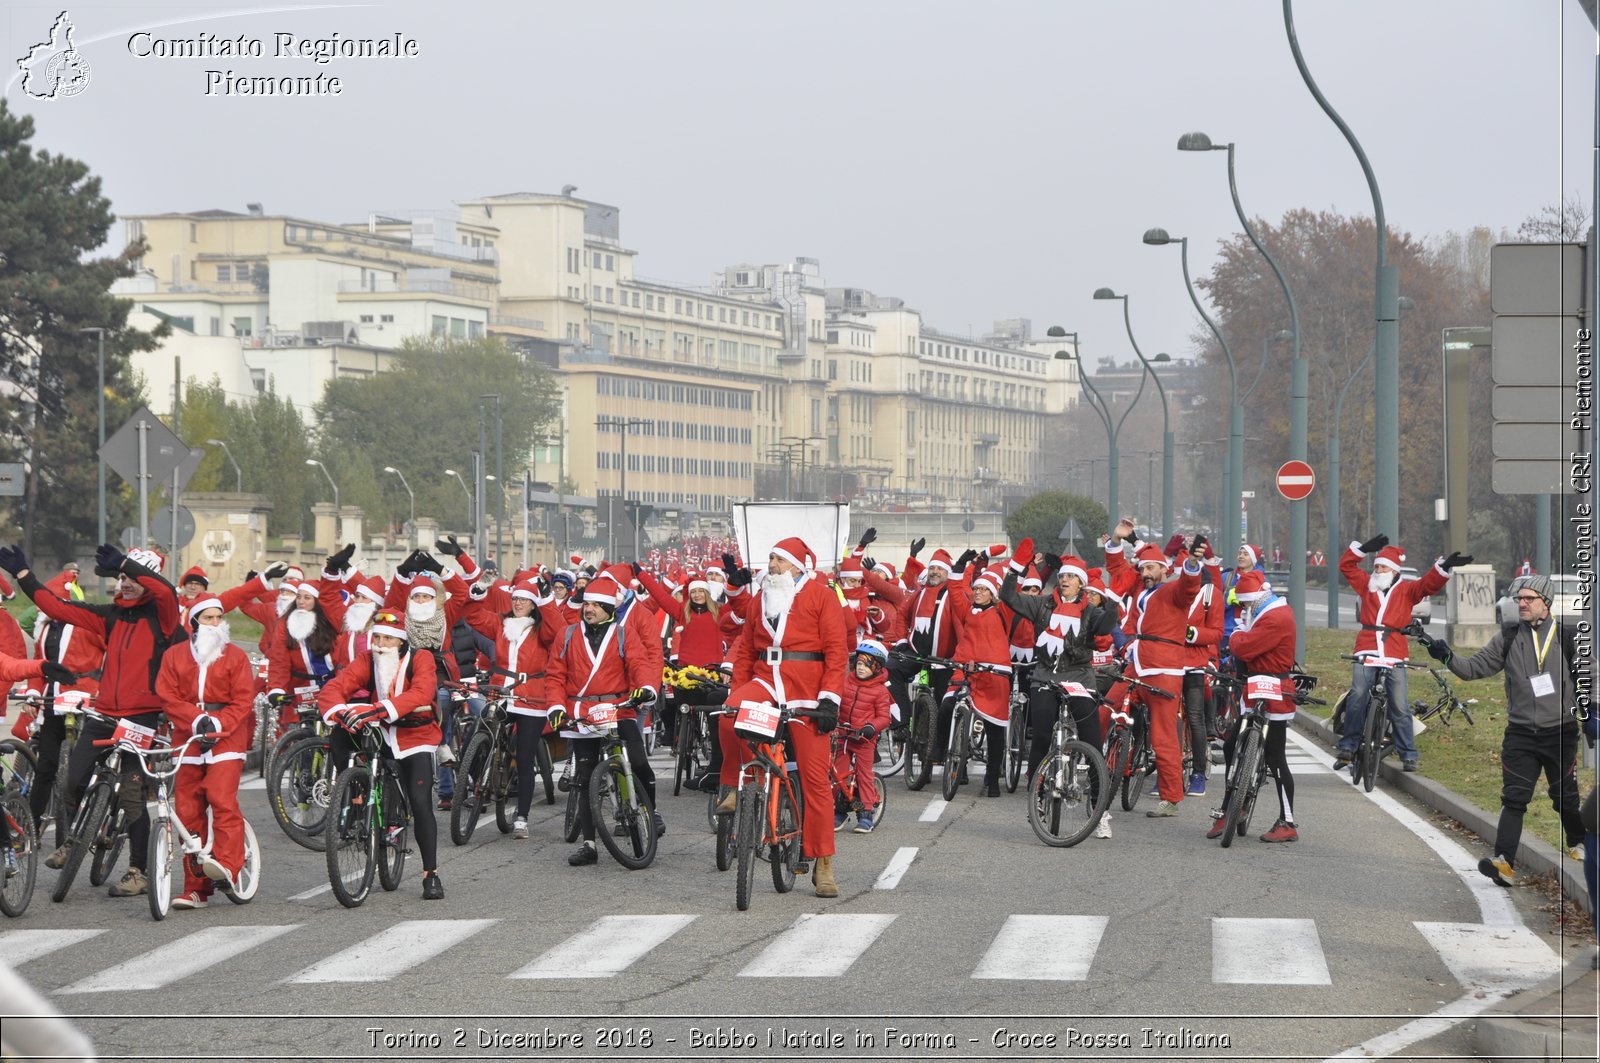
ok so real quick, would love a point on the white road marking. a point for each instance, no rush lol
(258, 783)
(1043, 947)
(314, 891)
(899, 864)
(393, 952)
(934, 810)
(818, 946)
(606, 948)
(1267, 952)
(189, 955)
(1500, 959)
(19, 946)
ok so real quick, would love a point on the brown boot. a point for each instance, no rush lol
(822, 877)
(729, 803)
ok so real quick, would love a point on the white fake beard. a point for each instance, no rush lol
(285, 601)
(209, 642)
(385, 663)
(777, 594)
(513, 627)
(422, 612)
(1382, 579)
(357, 615)
(300, 624)
(714, 589)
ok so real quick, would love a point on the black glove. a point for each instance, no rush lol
(869, 732)
(55, 673)
(206, 724)
(546, 588)
(868, 537)
(1455, 558)
(276, 570)
(827, 717)
(1440, 651)
(637, 568)
(868, 563)
(448, 545)
(410, 566)
(917, 545)
(1377, 542)
(1198, 547)
(739, 577)
(426, 562)
(108, 560)
(340, 562)
(1053, 561)
(278, 700)
(641, 696)
(730, 564)
(963, 561)
(251, 575)
(13, 560)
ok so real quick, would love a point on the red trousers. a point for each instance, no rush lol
(1163, 729)
(866, 781)
(214, 786)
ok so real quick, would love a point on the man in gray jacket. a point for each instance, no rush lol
(1541, 729)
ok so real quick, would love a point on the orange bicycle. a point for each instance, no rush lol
(769, 810)
(849, 798)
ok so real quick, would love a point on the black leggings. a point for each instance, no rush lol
(900, 677)
(1275, 749)
(1042, 708)
(47, 747)
(589, 755)
(80, 765)
(529, 729)
(1199, 711)
(416, 776)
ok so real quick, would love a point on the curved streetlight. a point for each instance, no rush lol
(472, 505)
(1097, 403)
(1233, 469)
(397, 472)
(325, 472)
(1166, 422)
(237, 475)
(1299, 392)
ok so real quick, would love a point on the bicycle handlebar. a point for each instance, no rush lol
(1393, 664)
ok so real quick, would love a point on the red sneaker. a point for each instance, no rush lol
(1216, 829)
(1281, 832)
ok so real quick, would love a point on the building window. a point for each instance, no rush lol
(386, 319)
(677, 306)
(474, 330)
(366, 319)
(224, 274)
(441, 325)
(192, 235)
(636, 300)
(608, 263)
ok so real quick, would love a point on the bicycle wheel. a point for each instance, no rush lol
(159, 873)
(749, 831)
(86, 826)
(1139, 757)
(889, 755)
(622, 816)
(785, 854)
(684, 763)
(248, 879)
(472, 776)
(300, 789)
(17, 890)
(282, 744)
(1060, 809)
(1016, 725)
(266, 733)
(955, 754)
(395, 833)
(1117, 752)
(883, 800)
(919, 749)
(1372, 737)
(107, 847)
(541, 753)
(503, 784)
(727, 846)
(1244, 775)
(570, 827)
(351, 845)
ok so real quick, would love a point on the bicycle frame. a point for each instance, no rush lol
(767, 763)
(845, 783)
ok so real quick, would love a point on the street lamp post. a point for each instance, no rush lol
(100, 380)
(627, 426)
(1233, 472)
(237, 475)
(1166, 422)
(499, 474)
(472, 502)
(1299, 391)
(413, 497)
(1104, 410)
(338, 526)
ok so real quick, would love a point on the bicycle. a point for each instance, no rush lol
(966, 729)
(847, 796)
(164, 825)
(694, 738)
(21, 866)
(1061, 808)
(769, 808)
(368, 822)
(1129, 756)
(300, 784)
(1447, 704)
(1017, 736)
(100, 821)
(1250, 761)
(919, 735)
(489, 769)
(66, 705)
(571, 826)
(618, 805)
(1376, 739)
(291, 720)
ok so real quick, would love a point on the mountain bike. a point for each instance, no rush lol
(920, 737)
(694, 737)
(1130, 758)
(623, 819)
(768, 809)
(1250, 760)
(1377, 740)
(1071, 787)
(966, 728)
(848, 797)
(488, 765)
(65, 704)
(300, 781)
(162, 764)
(101, 821)
(20, 841)
(1447, 704)
(369, 822)
(1017, 736)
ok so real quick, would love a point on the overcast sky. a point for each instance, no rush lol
(980, 162)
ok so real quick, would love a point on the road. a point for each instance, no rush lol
(955, 928)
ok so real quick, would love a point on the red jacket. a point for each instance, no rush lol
(1157, 619)
(527, 652)
(78, 649)
(932, 617)
(624, 661)
(699, 638)
(815, 623)
(14, 669)
(1205, 616)
(232, 598)
(228, 683)
(412, 691)
(1267, 648)
(12, 644)
(1390, 608)
(986, 639)
(864, 702)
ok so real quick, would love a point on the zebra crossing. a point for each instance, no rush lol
(1024, 947)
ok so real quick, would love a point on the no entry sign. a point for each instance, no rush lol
(1295, 480)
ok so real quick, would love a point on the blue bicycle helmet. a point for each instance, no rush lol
(874, 649)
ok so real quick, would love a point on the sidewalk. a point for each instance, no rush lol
(1552, 1021)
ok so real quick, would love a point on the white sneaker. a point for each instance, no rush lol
(1104, 829)
(446, 755)
(519, 829)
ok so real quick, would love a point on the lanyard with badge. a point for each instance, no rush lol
(1543, 685)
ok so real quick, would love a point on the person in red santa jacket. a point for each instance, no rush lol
(207, 687)
(1202, 637)
(1384, 604)
(194, 585)
(300, 658)
(1263, 643)
(393, 688)
(702, 643)
(603, 661)
(931, 616)
(14, 669)
(865, 708)
(793, 652)
(986, 640)
(1156, 623)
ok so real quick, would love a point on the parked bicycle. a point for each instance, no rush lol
(1377, 740)
(769, 810)
(1446, 704)
(300, 783)
(19, 838)
(1071, 787)
(369, 822)
(694, 735)
(1261, 693)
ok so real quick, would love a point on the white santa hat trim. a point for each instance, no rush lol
(200, 605)
(423, 587)
(699, 585)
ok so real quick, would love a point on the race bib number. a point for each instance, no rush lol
(757, 719)
(1264, 688)
(603, 714)
(134, 734)
(1075, 690)
(1101, 657)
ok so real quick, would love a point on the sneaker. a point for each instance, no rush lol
(432, 888)
(1343, 761)
(215, 871)
(1104, 828)
(192, 899)
(1163, 810)
(729, 803)
(519, 829)
(446, 755)
(1575, 852)
(660, 824)
(444, 802)
(131, 884)
(584, 854)
(1409, 765)
(1197, 783)
(57, 858)
(864, 823)
(1498, 868)
(839, 820)
(1281, 832)
(1215, 831)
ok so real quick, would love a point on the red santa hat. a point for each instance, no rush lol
(940, 559)
(150, 559)
(195, 573)
(716, 566)
(371, 587)
(296, 574)
(796, 552)
(1252, 587)
(989, 578)
(526, 589)
(886, 570)
(200, 605)
(1150, 552)
(1391, 556)
(603, 590)
(386, 622)
(1031, 577)
(423, 585)
(623, 574)
(1097, 583)
(1072, 565)
(850, 568)
(698, 582)
(1254, 551)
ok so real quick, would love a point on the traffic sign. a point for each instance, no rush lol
(11, 478)
(1295, 480)
(161, 527)
(164, 451)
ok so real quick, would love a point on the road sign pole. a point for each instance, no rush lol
(144, 483)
